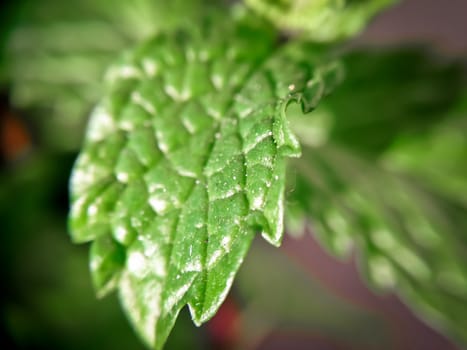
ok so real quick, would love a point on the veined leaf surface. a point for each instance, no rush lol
(184, 162)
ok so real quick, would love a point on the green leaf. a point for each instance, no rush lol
(437, 156)
(320, 20)
(405, 90)
(59, 51)
(408, 236)
(400, 199)
(184, 161)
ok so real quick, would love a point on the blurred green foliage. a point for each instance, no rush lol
(320, 20)
(389, 178)
(58, 52)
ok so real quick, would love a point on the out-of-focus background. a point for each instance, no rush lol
(438, 23)
(296, 297)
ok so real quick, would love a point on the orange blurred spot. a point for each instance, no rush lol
(224, 327)
(15, 139)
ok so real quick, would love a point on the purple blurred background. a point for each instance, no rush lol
(442, 24)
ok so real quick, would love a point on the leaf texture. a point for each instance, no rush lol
(184, 161)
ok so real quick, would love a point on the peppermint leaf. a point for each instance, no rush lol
(184, 162)
(390, 180)
(320, 20)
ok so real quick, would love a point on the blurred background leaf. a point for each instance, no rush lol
(320, 20)
(384, 171)
(58, 52)
(439, 157)
(385, 92)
